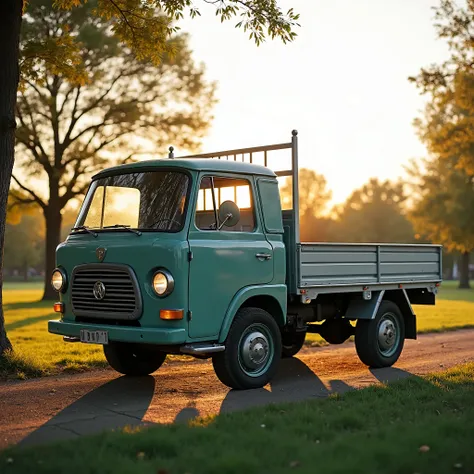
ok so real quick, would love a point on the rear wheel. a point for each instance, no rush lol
(292, 342)
(379, 341)
(133, 359)
(252, 353)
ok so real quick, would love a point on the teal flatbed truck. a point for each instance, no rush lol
(195, 256)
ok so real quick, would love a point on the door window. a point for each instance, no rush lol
(270, 199)
(213, 191)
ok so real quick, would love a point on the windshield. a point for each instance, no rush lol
(152, 200)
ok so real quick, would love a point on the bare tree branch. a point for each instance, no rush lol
(73, 119)
(42, 157)
(66, 98)
(68, 194)
(30, 192)
(95, 103)
(19, 200)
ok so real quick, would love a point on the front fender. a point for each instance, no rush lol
(277, 292)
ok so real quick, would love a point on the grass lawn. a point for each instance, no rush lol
(39, 353)
(418, 425)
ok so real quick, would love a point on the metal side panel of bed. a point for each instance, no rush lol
(381, 265)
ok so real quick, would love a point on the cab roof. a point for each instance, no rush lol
(196, 164)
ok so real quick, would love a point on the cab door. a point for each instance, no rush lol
(224, 259)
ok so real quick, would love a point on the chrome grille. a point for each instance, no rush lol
(121, 300)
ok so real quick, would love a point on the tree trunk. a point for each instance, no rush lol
(53, 217)
(25, 269)
(464, 271)
(10, 23)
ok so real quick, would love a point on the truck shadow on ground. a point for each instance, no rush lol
(124, 401)
(121, 402)
(294, 382)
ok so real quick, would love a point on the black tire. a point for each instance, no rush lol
(133, 359)
(291, 343)
(234, 366)
(379, 341)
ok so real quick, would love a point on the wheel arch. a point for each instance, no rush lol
(400, 298)
(362, 309)
(271, 298)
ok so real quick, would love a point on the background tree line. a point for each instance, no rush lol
(376, 212)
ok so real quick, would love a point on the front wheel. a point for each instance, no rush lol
(252, 352)
(379, 341)
(133, 359)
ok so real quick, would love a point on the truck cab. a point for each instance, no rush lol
(195, 256)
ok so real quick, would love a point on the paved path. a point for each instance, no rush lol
(53, 408)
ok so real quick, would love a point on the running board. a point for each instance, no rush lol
(71, 339)
(202, 348)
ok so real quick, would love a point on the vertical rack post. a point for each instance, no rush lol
(295, 179)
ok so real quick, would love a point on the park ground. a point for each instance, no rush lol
(411, 421)
(38, 353)
(416, 425)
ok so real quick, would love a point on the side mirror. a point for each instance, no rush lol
(229, 214)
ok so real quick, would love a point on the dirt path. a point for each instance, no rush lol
(53, 408)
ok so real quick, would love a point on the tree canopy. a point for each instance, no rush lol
(447, 127)
(313, 191)
(375, 213)
(137, 24)
(314, 197)
(444, 190)
(24, 243)
(121, 108)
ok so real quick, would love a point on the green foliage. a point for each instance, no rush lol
(443, 203)
(24, 243)
(313, 191)
(374, 213)
(313, 200)
(455, 24)
(443, 184)
(447, 127)
(56, 54)
(139, 25)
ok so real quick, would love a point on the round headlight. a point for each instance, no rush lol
(163, 283)
(58, 280)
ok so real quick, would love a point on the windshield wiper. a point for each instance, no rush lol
(124, 227)
(83, 227)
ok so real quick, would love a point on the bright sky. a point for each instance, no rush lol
(342, 84)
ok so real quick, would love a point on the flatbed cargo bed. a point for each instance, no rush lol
(352, 266)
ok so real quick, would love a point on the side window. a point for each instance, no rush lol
(213, 191)
(270, 198)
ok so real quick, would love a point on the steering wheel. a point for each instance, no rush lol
(168, 219)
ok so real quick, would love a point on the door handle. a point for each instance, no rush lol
(263, 256)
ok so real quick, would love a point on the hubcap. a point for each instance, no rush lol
(255, 351)
(388, 335)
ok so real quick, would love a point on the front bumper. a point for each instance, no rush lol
(121, 334)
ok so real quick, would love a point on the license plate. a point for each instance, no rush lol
(94, 337)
